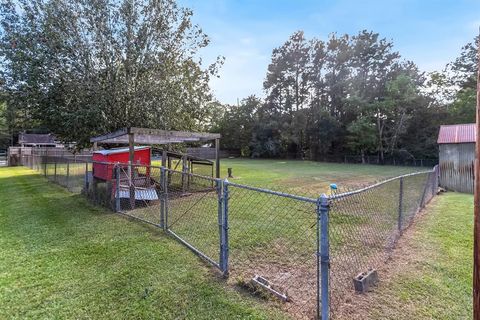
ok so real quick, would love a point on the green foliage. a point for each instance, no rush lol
(462, 109)
(82, 68)
(457, 85)
(349, 94)
(4, 132)
(353, 94)
(236, 125)
(362, 136)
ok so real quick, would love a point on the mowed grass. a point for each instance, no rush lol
(305, 177)
(431, 276)
(275, 236)
(62, 258)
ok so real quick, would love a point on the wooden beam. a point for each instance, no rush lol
(217, 158)
(476, 200)
(154, 136)
(115, 134)
(148, 140)
(131, 160)
(175, 134)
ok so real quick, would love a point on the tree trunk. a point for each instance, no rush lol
(380, 139)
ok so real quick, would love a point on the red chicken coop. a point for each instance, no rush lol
(103, 160)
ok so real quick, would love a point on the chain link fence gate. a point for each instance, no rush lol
(299, 253)
(273, 246)
(187, 206)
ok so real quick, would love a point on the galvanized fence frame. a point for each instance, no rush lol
(217, 205)
(414, 191)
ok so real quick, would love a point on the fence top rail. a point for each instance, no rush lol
(375, 185)
(120, 164)
(190, 174)
(272, 192)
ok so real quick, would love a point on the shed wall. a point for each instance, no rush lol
(456, 162)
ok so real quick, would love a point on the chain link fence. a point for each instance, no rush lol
(365, 225)
(299, 253)
(273, 246)
(392, 161)
(70, 172)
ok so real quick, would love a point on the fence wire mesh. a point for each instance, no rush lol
(267, 241)
(70, 172)
(202, 168)
(365, 225)
(273, 242)
(192, 206)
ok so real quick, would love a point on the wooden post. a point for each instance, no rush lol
(68, 174)
(476, 200)
(217, 158)
(184, 173)
(164, 158)
(131, 160)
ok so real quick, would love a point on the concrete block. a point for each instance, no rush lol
(365, 280)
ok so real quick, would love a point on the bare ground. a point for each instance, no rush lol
(384, 301)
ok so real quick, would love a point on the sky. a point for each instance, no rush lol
(428, 32)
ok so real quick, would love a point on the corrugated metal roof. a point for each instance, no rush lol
(119, 150)
(457, 133)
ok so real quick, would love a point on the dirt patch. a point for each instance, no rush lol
(291, 273)
(359, 306)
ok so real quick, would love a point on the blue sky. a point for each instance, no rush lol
(430, 33)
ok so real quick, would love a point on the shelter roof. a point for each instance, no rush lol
(457, 133)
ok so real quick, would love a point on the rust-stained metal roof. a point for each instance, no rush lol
(457, 133)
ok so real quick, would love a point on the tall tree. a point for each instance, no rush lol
(287, 88)
(236, 125)
(459, 85)
(87, 67)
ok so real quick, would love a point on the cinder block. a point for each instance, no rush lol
(365, 280)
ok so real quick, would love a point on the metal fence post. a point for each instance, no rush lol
(323, 258)
(224, 227)
(165, 191)
(162, 197)
(400, 206)
(117, 189)
(424, 193)
(219, 189)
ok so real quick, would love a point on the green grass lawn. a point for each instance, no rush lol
(61, 258)
(275, 237)
(306, 177)
(430, 276)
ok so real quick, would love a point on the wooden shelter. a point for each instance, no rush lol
(145, 136)
(456, 157)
